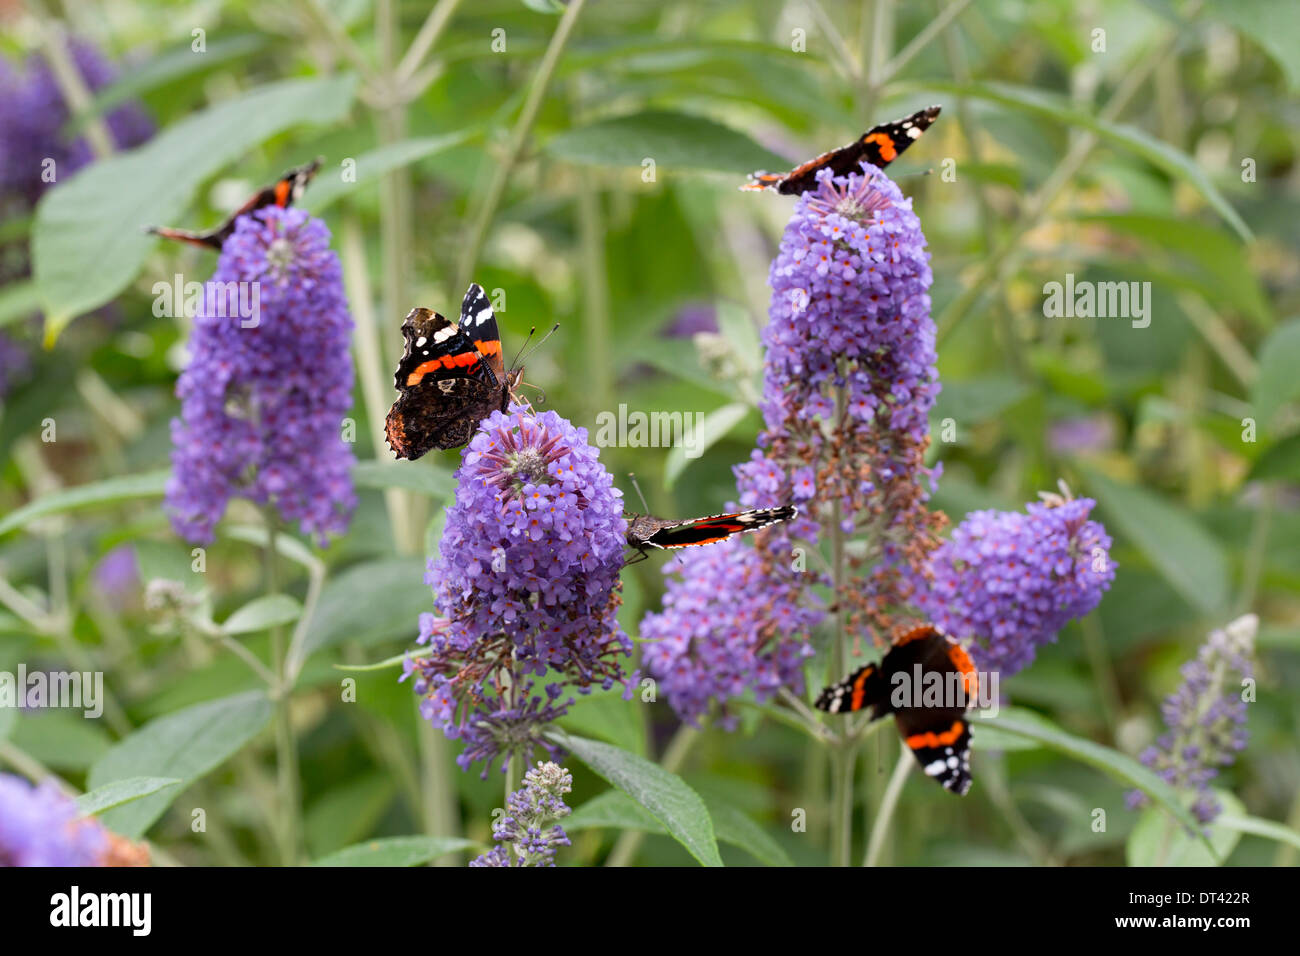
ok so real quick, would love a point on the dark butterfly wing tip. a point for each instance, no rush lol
(932, 111)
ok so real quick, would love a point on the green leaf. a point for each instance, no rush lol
(1173, 161)
(615, 810)
(970, 403)
(712, 429)
(427, 479)
(1158, 841)
(348, 611)
(1179, 548)
(262, 614)
(665, 795)
(121, 791)
(606, 715)
(395, 851)
(61, 740)
(1270, 23)
(18, 300)
(150, 484)
(167, 66)
(737, 829)
(1257, 826)
(985, 734)
(374, 164)
(1120, 766)
(347, 812)
(185, 745)
(1280, 461)
(675, 141)
(1277, 382)
(88, 241)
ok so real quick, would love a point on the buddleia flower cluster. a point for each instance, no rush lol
(1205, 718)
(849, 380)
(1008, 581)
(41, 826)
(34, 118)
(526, 588)
(527, 834)
(264, 395)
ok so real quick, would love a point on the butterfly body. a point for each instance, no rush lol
(879, 146)
(936, 731)
(646, 531)
(450, 377)
(284, 192)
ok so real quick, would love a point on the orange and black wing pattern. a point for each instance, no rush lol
(879, 146)
(284, 192)
(648, 532)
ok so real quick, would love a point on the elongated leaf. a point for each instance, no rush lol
(615, 810)
(1277, 382)
(674, 141)
(604, 714)
(395, 851)
(184, 745)
(425, 478)
(88, 241)
(150, 484)
(1257, 826)
(374, 164)
(1172, 161)
(263, 613)
(712, 429)
(166, 66)
(122, 791)
(985, 734)
(1180, 549)
(1158, 841)
(735, 828)
(61, 740)
(348, 611)
(665, 795)
(1120, 766)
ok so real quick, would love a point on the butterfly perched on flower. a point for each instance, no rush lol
(646, 531)
(449, 379)
(284, 192)
(934, 728)
(879, 146)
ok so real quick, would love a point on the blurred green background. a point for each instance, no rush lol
(1160, 150)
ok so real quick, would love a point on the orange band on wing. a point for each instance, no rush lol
(860, 688)
(282, 193)
(447, 361)
(886, 144)
(949, 736)
(492, 347)
(961, 660)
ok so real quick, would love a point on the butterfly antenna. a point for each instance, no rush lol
(919, 172)
(638, 492)
(514, 362)
(540, 342)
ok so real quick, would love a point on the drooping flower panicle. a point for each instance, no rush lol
(1008, 581)
(526, 586)
(264, 395)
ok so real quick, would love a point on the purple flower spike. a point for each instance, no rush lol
(1009, 581)
(1205, 718)
(526, 586)
(522, 835)
(268, 384)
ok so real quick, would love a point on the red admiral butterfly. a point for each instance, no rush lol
(879, 146)
(645, 531)
(287, 190)
(939, 736)
(449, 379)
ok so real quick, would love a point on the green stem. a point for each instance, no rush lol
(888, 804)
(674, 756)
(286, 751)
(515, 145)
